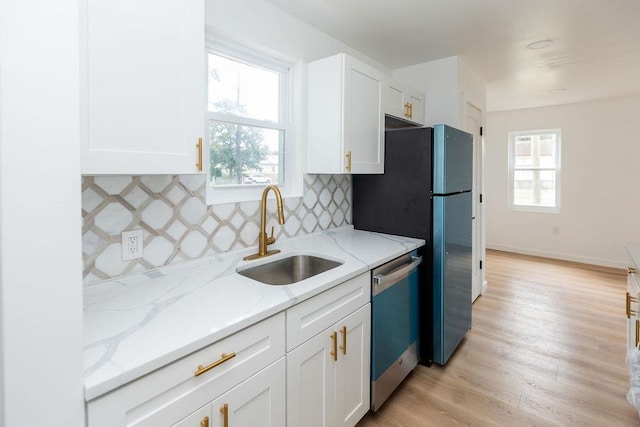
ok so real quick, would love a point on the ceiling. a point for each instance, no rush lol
(595, 52)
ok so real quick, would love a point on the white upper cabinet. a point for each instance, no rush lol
(403, 102)
(142, 86)
(345, 117)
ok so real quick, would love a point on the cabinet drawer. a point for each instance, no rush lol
(165, 396)
(318, 313)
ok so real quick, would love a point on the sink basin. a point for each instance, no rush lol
(286, 271)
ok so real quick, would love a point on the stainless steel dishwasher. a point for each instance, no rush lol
(394, 326)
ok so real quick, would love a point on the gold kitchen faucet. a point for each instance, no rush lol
(263, 240)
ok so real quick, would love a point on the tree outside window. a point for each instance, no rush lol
(246, 121)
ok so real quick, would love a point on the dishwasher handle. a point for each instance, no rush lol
(395, 275)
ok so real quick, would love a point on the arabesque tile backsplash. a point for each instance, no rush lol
(178, 225)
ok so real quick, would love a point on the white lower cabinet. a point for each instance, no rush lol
(258, 401)
(353, 370)
(328, 375)
(164, 397)
(245, 380)
(200, 418)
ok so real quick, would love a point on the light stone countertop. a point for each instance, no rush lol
(139, 323)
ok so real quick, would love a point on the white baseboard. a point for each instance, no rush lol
(560, 256)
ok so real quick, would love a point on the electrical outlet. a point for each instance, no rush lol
(132, 242)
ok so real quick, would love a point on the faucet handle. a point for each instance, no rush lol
(271, 240)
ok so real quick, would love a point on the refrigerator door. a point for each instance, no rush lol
(451, 273)
(452, 160)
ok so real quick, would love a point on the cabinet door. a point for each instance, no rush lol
(403, 102)
(142, 86)
(311, 382)
(395, 102)
(200, 418)
(353, 367)
(416, 106)
(257, 402)
(363, 143)
(633, 309)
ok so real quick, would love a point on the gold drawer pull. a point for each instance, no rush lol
(204, 422)
(629, 300)
(348, 167)
(334, 353)
(202, 369)
(637, 332)
(631, 270)
(225, 415)
(343, 347)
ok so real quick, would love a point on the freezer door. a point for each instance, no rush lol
(451, 273)
(452, 160)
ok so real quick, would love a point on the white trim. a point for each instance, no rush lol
(559, 256)
(511, 170)
(291, 71)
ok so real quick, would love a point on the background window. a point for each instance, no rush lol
(534, 170)
(247, 119)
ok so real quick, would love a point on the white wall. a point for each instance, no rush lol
(600, 183)
(472, 89)
(256, 23)
(439, 82)
(40, 246)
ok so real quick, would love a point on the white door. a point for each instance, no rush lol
(311, 382)
(473, 123)
(200, 418)
(257, 402)
(142, 86)
(363, 118)
(353, 367)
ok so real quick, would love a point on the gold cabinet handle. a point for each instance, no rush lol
(225, 415)
(629, 300)
(631, 270)
(204, 422)
(199, 145)
(406, 109)
(225, 357)
(334, 353)
(410, 110)
(348, 168)
(637, 332)
(343, 347)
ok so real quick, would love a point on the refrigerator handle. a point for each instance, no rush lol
(395, 275)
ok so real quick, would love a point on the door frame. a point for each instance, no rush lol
(479, 208)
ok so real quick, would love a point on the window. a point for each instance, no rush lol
(250, 135)
(534, 170)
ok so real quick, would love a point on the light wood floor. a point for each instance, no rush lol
(547, 348)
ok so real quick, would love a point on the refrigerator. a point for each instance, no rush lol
(425, 192)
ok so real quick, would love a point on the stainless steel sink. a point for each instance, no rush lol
(286, 271)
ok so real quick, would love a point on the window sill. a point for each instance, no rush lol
(248, 193)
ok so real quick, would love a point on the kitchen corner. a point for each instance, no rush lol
(139, 323)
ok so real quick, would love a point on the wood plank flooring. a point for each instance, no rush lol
(547, 348)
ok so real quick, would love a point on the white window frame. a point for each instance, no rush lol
(513, 168)
(289, 122)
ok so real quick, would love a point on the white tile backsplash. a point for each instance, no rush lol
(179, 226)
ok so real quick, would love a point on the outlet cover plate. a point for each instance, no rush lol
(132, 243)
